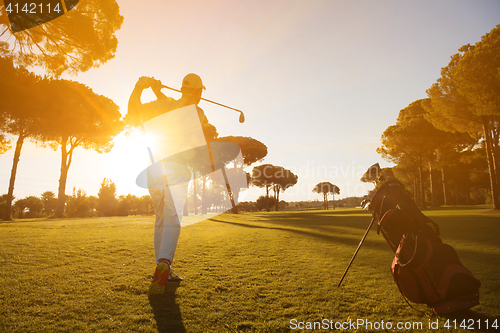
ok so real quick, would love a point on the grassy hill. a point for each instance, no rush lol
(251, 272)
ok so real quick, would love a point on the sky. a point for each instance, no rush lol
(319, 81)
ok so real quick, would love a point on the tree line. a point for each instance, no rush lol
(446, 146)
(205, 196)
(79, 204)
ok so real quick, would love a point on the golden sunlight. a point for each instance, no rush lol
(127, 159)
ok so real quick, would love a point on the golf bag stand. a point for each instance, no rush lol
(424, 268)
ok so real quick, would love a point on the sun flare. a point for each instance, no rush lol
(127, 159)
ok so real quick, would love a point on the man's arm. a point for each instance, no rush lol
(134, 103)
(156, 87)
(135, 115)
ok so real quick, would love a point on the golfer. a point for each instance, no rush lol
(167, 223)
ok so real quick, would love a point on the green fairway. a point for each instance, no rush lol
(250, 272)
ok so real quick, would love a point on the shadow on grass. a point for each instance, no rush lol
(314, 220)
(475, 231)
(166, 311)
(347, 218)
(458, 207)
(325, 235)
(466, 228)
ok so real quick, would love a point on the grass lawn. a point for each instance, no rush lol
(251, 272)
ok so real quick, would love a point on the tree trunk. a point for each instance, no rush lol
(333, 200)
(431, 186)
(236, 196)
(495, 135)
(194, 197)
(445, 195)
(467, 190)
(10, 194)
(277, 198)
(65, 162)
(325, 201)
(203, 203)
(491, 165)
(185, 211)
(267, 196)
(421, 181)
(415, 190)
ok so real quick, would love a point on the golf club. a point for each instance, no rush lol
(242, 116)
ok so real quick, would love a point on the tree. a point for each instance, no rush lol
(34, 206)
(248, 206)
(262, 176)
(122, 207)
(252, 151)
(217, 196)
(273, 177)
(82, 38)
(3, 204)
(263, 202)
(453, 147)
(146, 205)
(350, 202)
(414, 139)
(20, 206)
(5, 66)
(284, 179)
(4, 143)
(466, 98)
(92, 203)
(107, 202)
(127, 205)
(406, 172)
(241, 183)
(133, 203)
(77, 41)
(78, 117)
(78, 205)
(49, 202)
(24, 99)
(326, 188)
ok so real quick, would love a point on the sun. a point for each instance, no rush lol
(127, 159)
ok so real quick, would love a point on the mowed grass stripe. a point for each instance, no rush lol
(247, 272)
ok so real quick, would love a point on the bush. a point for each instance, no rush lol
(264, 202)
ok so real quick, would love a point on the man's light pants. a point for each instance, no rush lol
(168, 187)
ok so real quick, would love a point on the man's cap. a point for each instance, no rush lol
(192, 81)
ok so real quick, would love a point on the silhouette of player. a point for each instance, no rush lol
(166, 203)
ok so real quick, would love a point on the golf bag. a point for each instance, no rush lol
(424, 268)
